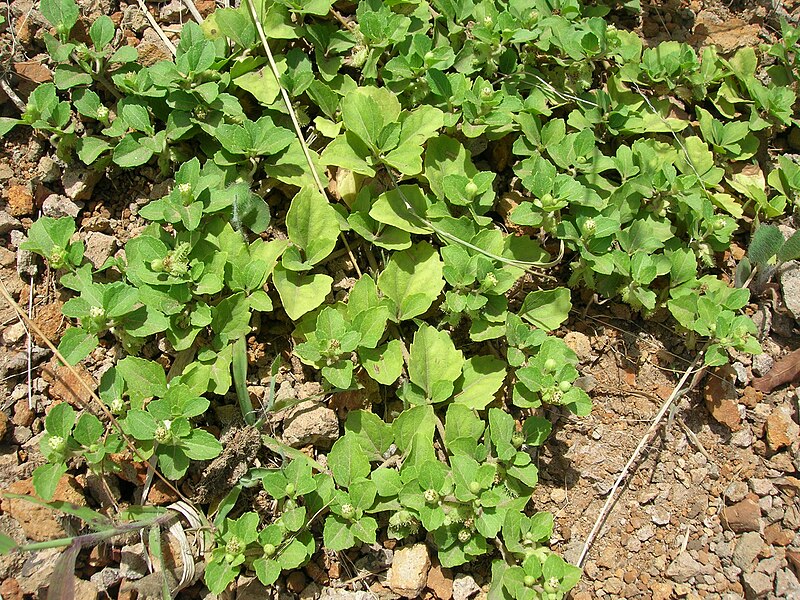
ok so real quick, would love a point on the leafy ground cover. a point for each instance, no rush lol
(472, 148)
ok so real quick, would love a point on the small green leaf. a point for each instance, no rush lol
(76, 344)
(479, 382)
(385, 363)
(61, 14)
(60, 420)
(547, 309)
(143, 378)
(46, 478)
(102, 32)
(765, 244)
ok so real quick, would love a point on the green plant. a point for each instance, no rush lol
(467, 142)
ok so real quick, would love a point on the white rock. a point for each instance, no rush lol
(409, 571)
(580, 344)
(339, 594)
(37, 570)
(79, 182)
(786, 584)
(13, 333)
(132, 564)
(99, 247)
(464, 587)
(757, 585)
(747, 549)
(57, 206)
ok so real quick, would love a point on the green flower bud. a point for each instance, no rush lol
(529, 581)
(269, 550)
(57, 258)
(565, 386)
(474, 487)
(290, 489)
(550, 365)
(185, 190)
(157, 265)
(348, 511)
(487, 92)
(57, 443)
(162, 433)
(517, 439)
(551, 585)
(233, 547)
(471, 190)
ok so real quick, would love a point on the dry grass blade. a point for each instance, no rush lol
(154, 24)
(12, 95)
(677, 392)
(62, 581)
(293, 116)
(193, 9)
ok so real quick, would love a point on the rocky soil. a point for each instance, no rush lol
(710, 511)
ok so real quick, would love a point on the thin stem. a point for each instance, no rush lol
(293, 116)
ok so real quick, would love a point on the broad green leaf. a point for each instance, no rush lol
(366, 110)
(765, 244)
(231, 318)
(219, 573)
(201, 445)
(140, 424)
(413, 434)
(373, 433)
(312, 224)
(129, 153)
(480, 380)
(347, 460)
(76, 344)
(412, 280)
(385, 363)
(403, 208)
(102, 32)
(143, 378)
(790, 249)
(61, 14)
(300, 293)
(46, 478)
(547, 309)
(349, 152)
(60, 420)
(336, 534)
(47, 235)
(434, 363)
